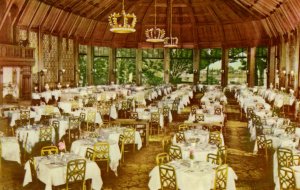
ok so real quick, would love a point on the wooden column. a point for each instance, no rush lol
(139, 64)
(295, 64)
(76, 62)
(196, 61)
(89, 65)
(271, 65)
(225, 62)
(1, 85)
(284, 62)
(167, 61)
(40, 60)
(251, 66)
(25, 82)
(60, 64)
(112, 73)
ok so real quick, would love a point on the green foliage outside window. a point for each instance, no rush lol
(82, 70)
(237, 68)
(260, 65)
(125, 65)
(210, 66)
(181, 66)
(153, 66)
(100, 65)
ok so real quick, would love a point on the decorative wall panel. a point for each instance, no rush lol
(67, 60)
(50, 59)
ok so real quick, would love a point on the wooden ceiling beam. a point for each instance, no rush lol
(6, 13)
(143, 18)
(66, 19)
(21, 13)
(45, 17)
(56, 20)
(88, 29)
(34, 15)
(73, 25)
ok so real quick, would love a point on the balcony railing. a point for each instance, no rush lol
(16, 52)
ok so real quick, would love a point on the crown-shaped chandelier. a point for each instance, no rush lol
(155, 34)
(171, 42)
(122, 22)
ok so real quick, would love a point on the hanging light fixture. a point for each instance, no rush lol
(171, 42)
(122, 22)
(155, 34)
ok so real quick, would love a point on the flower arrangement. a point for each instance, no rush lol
(62, 146)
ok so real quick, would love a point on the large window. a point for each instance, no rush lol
(261, 66)
(210, 66)
(82, 65)
(181, 65)
(100, 65)
(237, 68)
(125, 65)
(153, 66)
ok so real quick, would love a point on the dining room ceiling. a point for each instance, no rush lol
(197, 23)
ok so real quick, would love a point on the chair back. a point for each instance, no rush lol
(155, 117)
(162, 158)
(124, 105)
(290, 130)
(82, 116)
(194, 109)
(101, 151)
(215, 138)
(55, 125)
(221, 177)
(74, 122)
(46, 134)
(166, 111)
(89, 153)
(167, 176)
(134, 115)
(49, 110)
(261, 142)
(175, 106)
(91, 117)
(129, 136)
(76, 172)
(48, 150)
(222, 155)
(218, 111)
(24, 117)
(32, 169)
(284, 157)
(250, 112)
(183, 127)
(180, 138)
(199, 117)
(286, 178)
(175, 152)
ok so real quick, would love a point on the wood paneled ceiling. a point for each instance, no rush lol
(197, 23)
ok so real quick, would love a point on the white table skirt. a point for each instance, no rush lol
(79, 147)
(199, 176)
(10, 149)
(54, 175)
(114, 133)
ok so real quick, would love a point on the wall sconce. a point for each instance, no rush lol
(115, 70)
(277, 70)
(292, 73)
(94, 71)
(247, 71)
(77, 70)
(222, 70)
(284, 72)
(195, 71)
(62, 71)
(167, 71)
(43, 71)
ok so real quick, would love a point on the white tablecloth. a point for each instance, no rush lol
(79, 147)
(52, 171)
(199, 176)
(113, 133)
(10, 149)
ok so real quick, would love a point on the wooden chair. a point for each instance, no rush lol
(290, 130)
(90, 120)
(121, 146)
(199, 117)
(221, 177)
(175, 152)
(55, 125)
(263, 145)
(162, 158)
(215, 138)
(194, 109)
(219, 158)
(183, 127)
(154, 123)
(24, 117)
(89, 153)
(76, 170)
(129, 137)
(73, 131)
(218, 111)
(167, 176)
(287, 179)
(286, 158)
(180, 138)
(48, 150)
(101, 153)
